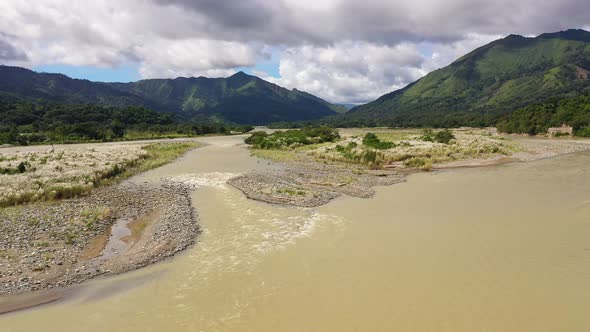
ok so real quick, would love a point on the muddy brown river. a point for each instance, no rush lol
(501, 248)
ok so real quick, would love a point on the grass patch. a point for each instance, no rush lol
(91, 216)
(419, 149)
(158, 154)
(291, 192)
(274, 155)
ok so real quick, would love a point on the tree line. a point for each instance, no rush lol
(536, 119)
(37, 121)
(532, 119)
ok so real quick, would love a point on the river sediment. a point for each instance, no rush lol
(482, 248)
(52, 245)
(136, 223)
(310, 184)
(306, 181)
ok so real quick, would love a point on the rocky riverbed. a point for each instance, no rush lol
(308, 183)
(117, 228)
(49, 245)
(306, 178)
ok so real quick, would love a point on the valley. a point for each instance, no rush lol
(252, 258)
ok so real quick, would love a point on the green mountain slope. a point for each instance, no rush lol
(240, 98)
(489, 82)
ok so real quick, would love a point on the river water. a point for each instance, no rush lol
(502, 248)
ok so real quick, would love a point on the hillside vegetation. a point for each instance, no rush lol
(536, 119)
(26, 122)
(241, 98)
(481, 87)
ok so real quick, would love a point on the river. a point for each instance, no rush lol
(501, 248)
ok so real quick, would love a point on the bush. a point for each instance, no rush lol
(256, 138)
(21, 168)
(583, 132)
(346, 151)
(370, 157)
(444, 136)
(292, 138)
(371, 140)
(427, 135)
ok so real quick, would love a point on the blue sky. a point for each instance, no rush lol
(130, 72)
(124, 73)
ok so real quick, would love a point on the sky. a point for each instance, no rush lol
(345, 51)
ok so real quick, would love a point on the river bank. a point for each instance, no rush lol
(119, 226)
(458, 250)
(312, 176)
(132, 224)
(58, 244)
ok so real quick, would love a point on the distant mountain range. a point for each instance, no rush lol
(240, 98)
(489, 82)
(478, 89)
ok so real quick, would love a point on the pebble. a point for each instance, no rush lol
(55, 221)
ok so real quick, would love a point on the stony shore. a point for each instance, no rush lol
(305, 181)
(51, 245)
(308, 183)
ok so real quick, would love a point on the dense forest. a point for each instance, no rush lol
(39, 121)
(436, 119)
(532, 119)
(536, 119)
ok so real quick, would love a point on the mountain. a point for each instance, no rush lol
(347, 107)
(240, 98)
(489, 82)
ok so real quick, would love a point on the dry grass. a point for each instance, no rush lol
(70, 171)
(410, 151)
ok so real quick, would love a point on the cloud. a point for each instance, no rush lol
(295, 22)
(8, 52)
(342, 50)
(194, 57)
(358, 72)
(349, 72)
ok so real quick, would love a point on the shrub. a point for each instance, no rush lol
(292, 138)
(583, 132)
(444, 136)
(256, 138)
(370, 157)
(21, 167)
(371, 140)
(427, 135)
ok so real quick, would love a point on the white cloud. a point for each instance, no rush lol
(349, 72)
(357, 72)
(342, 50)
(193, 57)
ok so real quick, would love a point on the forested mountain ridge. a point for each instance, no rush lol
(488, 83)
(240, 98)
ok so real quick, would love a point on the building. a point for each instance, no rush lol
(563, 130)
